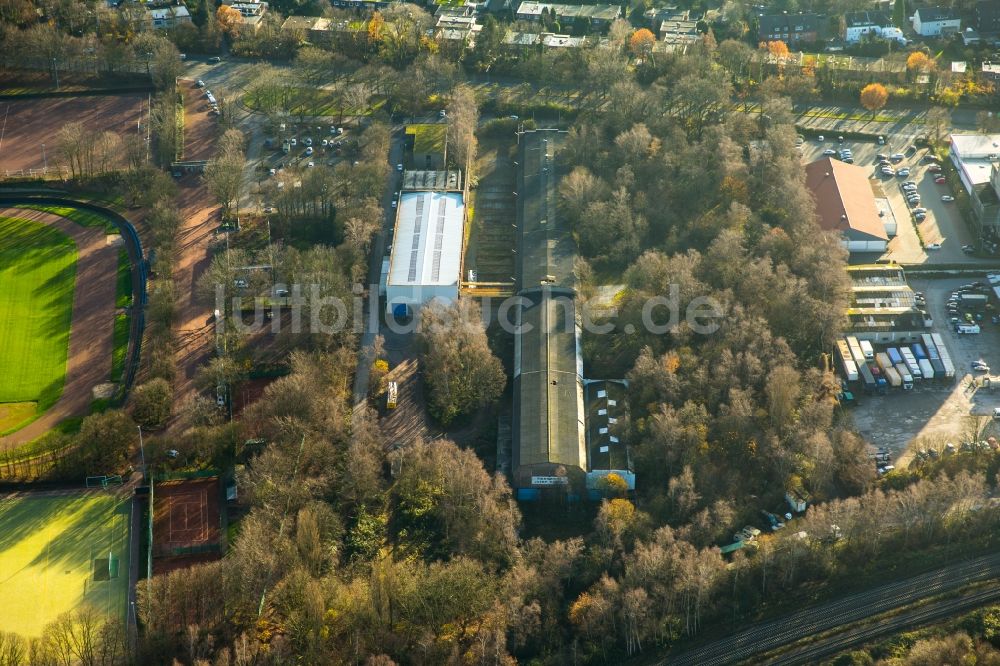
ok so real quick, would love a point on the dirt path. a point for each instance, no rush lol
(194, 334)
(88, 361)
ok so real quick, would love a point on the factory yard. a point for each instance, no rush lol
(936, 413)
(943, 223)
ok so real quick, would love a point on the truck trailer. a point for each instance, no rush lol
(894, 355)
(974, 301)
(911, 362)
(856, 353)
(893, 377)
(867, 350)
(933, 356)
(949, 367)
(847, 363)
(926, 369)
(905, 376)
(867, 379)
(919, 351)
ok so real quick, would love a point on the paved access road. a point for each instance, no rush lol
(773, 634)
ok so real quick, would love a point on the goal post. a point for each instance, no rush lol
(95, 481)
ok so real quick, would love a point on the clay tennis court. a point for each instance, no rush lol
(27, 124)
(185, 516)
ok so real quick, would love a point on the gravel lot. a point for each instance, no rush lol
(936, 412)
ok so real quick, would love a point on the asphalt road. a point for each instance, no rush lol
(773, 634)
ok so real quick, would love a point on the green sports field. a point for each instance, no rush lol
(54, 558)
(37, 271)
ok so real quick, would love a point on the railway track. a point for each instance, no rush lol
(765, 637)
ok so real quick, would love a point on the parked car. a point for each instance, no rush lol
(934, 168)
(920, 210)
(829, 152)
(932, 246)
(940, 180)
(929, 157)
(307, 141)
(947, 198)
(968, 249)
(199, 83)
(310, 164)
(904, 172)
(980, 366)
(920, 217)
(399, 167)
(214, 59)
(897, 157)
(882, 156)
(881, 140)
(819, 138)
(309, 151)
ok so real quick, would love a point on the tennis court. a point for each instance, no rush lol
(186, 517)
(59, 552)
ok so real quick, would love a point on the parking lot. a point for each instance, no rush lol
(935, 413)
(943, 223)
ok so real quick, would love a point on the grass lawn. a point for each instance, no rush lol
(120, 349)
(54, 555)
(37, 271)
(123, 288)
(317, 102)
(84, 218)
(428, 138)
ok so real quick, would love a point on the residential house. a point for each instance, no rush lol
(252, 11)
(936, 21)
(165, 18)
(845, 204)
(676, 28)
(519, 41)
(788, 28)
(859, 24)
(600, 16)
(456, 32)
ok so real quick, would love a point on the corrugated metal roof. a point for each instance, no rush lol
(428, 239)
(548, 389)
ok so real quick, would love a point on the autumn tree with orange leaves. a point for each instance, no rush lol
(873, 97)
(641, 42)
(778, 49)
(229, 19)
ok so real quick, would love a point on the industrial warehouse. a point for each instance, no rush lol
(564, 426)
(425, 259)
